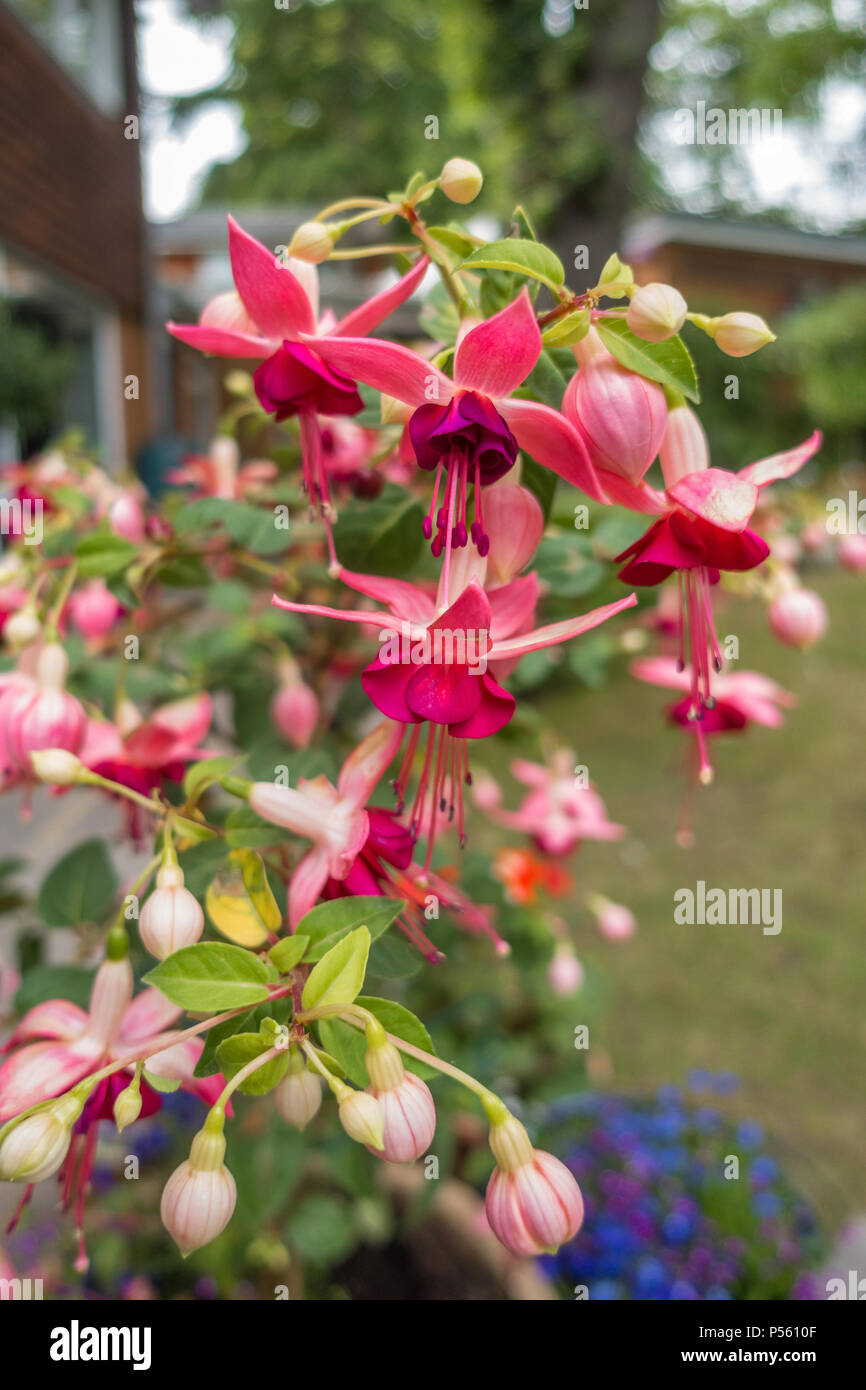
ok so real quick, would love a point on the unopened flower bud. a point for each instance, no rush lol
(656, 312)
(171, 917)
(852, 553)
(361, 1116)
(127, 1106)
(565, 972)
(408, 1112)
(21, 628)
(684, 448)
(294, 709)
(35, 1147)
(533, 1203)
(56, 765)
(311, 242)
(461, 180)
(299, 1094)
(614, 921)
(798, 618)
(620, 415)
(199, 1197)
(740, 334)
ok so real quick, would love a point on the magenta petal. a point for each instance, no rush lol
(770, 470)
(470, 612)
(274, 299)
(443, 694)
(385, 684)
(220, 342)
(512, 606)
(496, 356)
(494, 711)
(387, 367)
(726, 500)
(404, 599)
(554, 443)
(369, 315)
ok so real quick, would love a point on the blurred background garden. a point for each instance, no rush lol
(158, 118)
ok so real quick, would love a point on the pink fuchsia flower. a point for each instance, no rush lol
(798, 617)
(433, 669)
(126, 516)
(620, 416)
(294, 707)
(273, 314)
(37, 712)
(559, 811)
(740, 698)
(220, 473)
(144, 753)
(199, 1198)
(614, 921)
(852, 553)
(93, 611)
(408, 1111)
(467, 431)
(533, 1203)
(565, 974)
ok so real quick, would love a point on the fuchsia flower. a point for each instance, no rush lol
(533, 1203)
(94, 610)
(219, 473)
(468, 430)
(37, 712)
(143, 753)
(294, 707)
(273, 314)
(558, 813)
(703, 528)
(57, 1044)
(740, 697)
(433, 669)
(798, 617)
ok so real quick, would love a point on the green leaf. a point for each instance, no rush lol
(246, 829)
(79, 888)
(349, 1045)
(207, 1063)
(392, 958)
(339, 974)
(565, 568)
(669, 363)
(201, 775)
(103, 554)
(453, 239)
(383, 536)
(237, 1051)
(288, 952)
(329, 922)
(545, 382)
(183, 572)
(211, 976)
(164, 1084)
(566, 331)
(520, 255)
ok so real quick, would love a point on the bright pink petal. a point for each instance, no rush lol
(512, 607)
(723, 499)
(638, 498)
(443, 694)
(308, 880)
(514, 523)
(363, 769)
(56, 1018)
(661, 670)
(470, 612)
(770, 470)
(554, 633)
(40, 1071)
(149, 1013)
(369, 315)
(274, 299)
(385, 684)
(496, 356)
(554, 443)
(346, 615)
(387, 367)
(494, 711)
(404, 599)
(220, 342)
(188, 719)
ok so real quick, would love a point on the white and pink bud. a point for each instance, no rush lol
(33, 1148)
(44, 715)
(740, 334)
(311, 242)
(126, 518)
(461, 180)
(171, 917)
(294, 708)
(620, 415)
(684, 448)
(299, 1094)
(57, 766)
(798, 617)
(408, 1111)
(199, 1198)
(656, 312)
(94, 610)
(565, 973)
(852, 553)
(533, 1203)
(360, 1115)
(22, 628)
(614, 921)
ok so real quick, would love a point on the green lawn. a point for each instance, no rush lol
(788, 810)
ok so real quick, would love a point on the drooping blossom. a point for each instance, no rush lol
(220, 473)
(559, 812)
(467, 431)
(273, 315)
